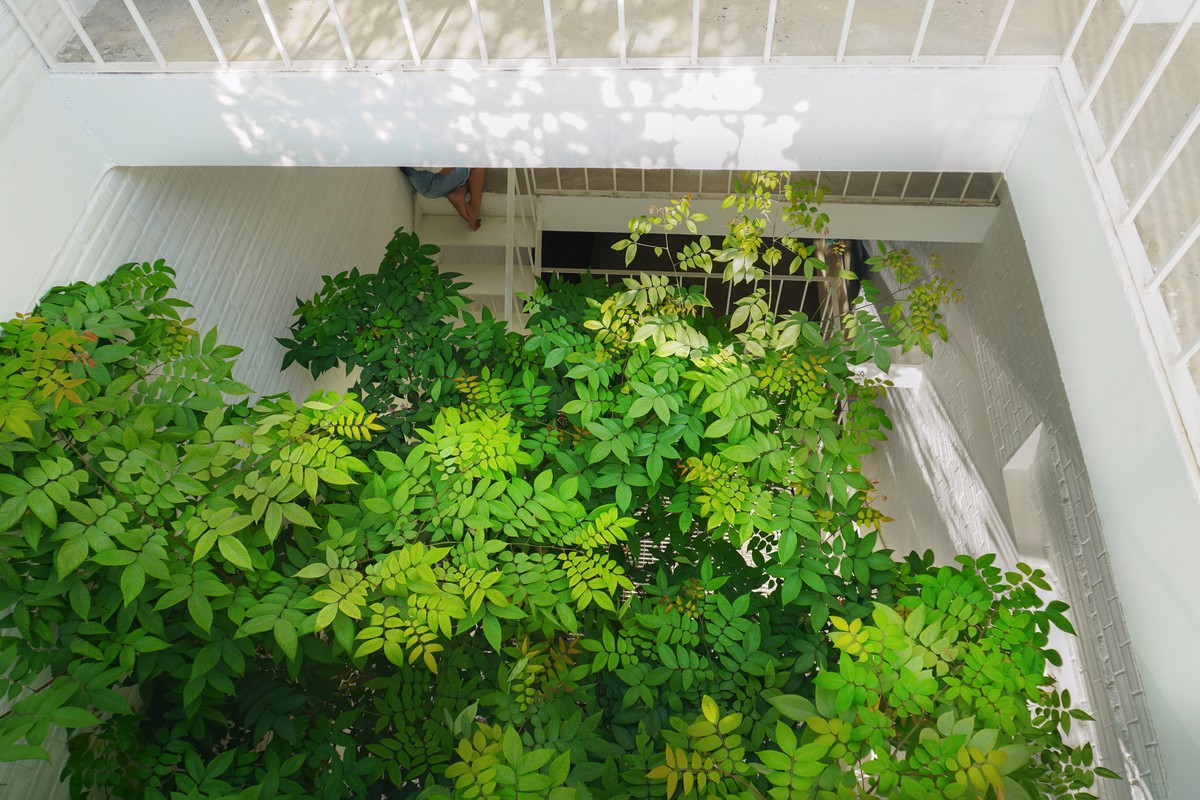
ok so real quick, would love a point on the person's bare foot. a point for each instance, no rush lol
(473, 209)
(458, 199)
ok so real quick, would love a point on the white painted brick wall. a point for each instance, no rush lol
(20, 67)
(981, 398)
(245, 242)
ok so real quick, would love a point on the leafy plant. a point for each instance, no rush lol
(631, 554)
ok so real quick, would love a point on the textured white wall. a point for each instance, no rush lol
(980, 399)
(49, 166)
(245, 242)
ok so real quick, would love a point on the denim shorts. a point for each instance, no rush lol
(431, 184)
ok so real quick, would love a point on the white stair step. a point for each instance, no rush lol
(446, 230)
(488, 279)
(493, 205)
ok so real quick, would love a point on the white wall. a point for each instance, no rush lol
(245, 242)
(49, 167)
(981, 397)
(811, 118)
(1128, 432)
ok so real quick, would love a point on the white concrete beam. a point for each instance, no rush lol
(875, 119)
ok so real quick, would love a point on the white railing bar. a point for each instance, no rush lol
(695, 31)
(37, 42)
(614, 172)
(1164, 165)
(532, 181)
(700, 189)
(772, 10)
(537, 229)
(274, 29)
(587, 181)
(408, 32)
(966, 186)
(1176, 256)
(841, 51)
(875, 188)
(671, 182)
(904, 191)
(208, 32)
(483, 54)
(1152, 80)
(643, 174)
(846, 186)
(1114, 50)
(729, 180)
(1186, 354)
(996, 189)
(1077, 34)
(676, 273)
(145, 31)
(510, 233)
(818, 179)
(621, 39)
(558, 177)
(73, 18)
(341, 31)
(550, 32)
(936, 183)
(991, 53)
(921, 31)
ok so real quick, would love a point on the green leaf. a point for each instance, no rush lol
(740, 453)
(72, 553)
(709, 707)
(133, 578)
(491, 630)
(285, 635)
(22, 752)
(200, 610)
(273, 521)
(313, 571)
(114, 557)
(720, 428)
(298, 515)
(788, 542)
(235, 552)
(794, 707)
(72, 717)
(42, 508)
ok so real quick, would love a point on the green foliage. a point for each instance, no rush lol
(631, 554)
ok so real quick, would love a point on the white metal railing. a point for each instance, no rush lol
(522, 236)
(359, 24)
(830, 301)
(978, 188)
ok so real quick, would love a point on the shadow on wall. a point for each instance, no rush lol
(735, 118)
(930, 468)
(705, 121)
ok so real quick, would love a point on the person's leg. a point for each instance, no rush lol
(458, 199)
(475, 189)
